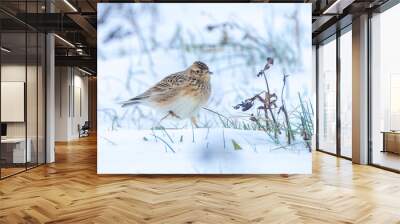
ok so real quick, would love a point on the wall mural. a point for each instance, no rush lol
(204, 88)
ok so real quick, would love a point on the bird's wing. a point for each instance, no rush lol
(166, 85)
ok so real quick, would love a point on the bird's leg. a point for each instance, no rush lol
(159, 123)
(164, 117)
(170, 113)
(194, 121)
(174, 114)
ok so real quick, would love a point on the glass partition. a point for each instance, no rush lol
(327, 96)
(13, 94)
(346, 94)
(41, 96)
(22, 77)
(31, 99)
(385, 89)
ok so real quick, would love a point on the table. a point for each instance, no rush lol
(16, 147)
(391, 141)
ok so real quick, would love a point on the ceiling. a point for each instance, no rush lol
(74, 22)
(329, 16)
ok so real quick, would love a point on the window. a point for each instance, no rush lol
(385, 89)
(327, 97)
(346, 94)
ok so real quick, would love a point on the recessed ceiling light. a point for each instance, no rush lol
(65, 41)
(84, 71)
(5, 50)
(338, 6)
(70, 5)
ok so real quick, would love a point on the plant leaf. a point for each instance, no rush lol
(236, 146)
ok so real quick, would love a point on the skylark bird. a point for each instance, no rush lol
(178, 95)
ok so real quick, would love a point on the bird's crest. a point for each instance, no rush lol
(201, 65)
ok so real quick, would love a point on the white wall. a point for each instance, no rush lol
(62, 81)
(80, 109)
(17, 73)
(71, 102)
(12, 73)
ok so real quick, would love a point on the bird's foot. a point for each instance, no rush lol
(194, 122)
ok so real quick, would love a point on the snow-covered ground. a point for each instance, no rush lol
(198, 151)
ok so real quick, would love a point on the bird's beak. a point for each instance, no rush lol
(210, 73)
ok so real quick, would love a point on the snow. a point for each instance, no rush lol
(211, 152)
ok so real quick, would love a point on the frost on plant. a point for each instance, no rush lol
(272, 116)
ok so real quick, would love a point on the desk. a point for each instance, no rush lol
(15, 148)
(391, 141)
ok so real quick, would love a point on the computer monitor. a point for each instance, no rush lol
(3, 129)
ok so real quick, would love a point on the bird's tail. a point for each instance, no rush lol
(136, 100)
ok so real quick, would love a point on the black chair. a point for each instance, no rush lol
(84, 130)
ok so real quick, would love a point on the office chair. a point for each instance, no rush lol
(84, 130)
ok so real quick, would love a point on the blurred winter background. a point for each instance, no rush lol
(260, 55)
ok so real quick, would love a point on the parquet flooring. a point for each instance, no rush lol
(70, 191)
(10, 171)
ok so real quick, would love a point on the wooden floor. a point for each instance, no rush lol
(5, 172)
(386, 159)
(70, 191)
